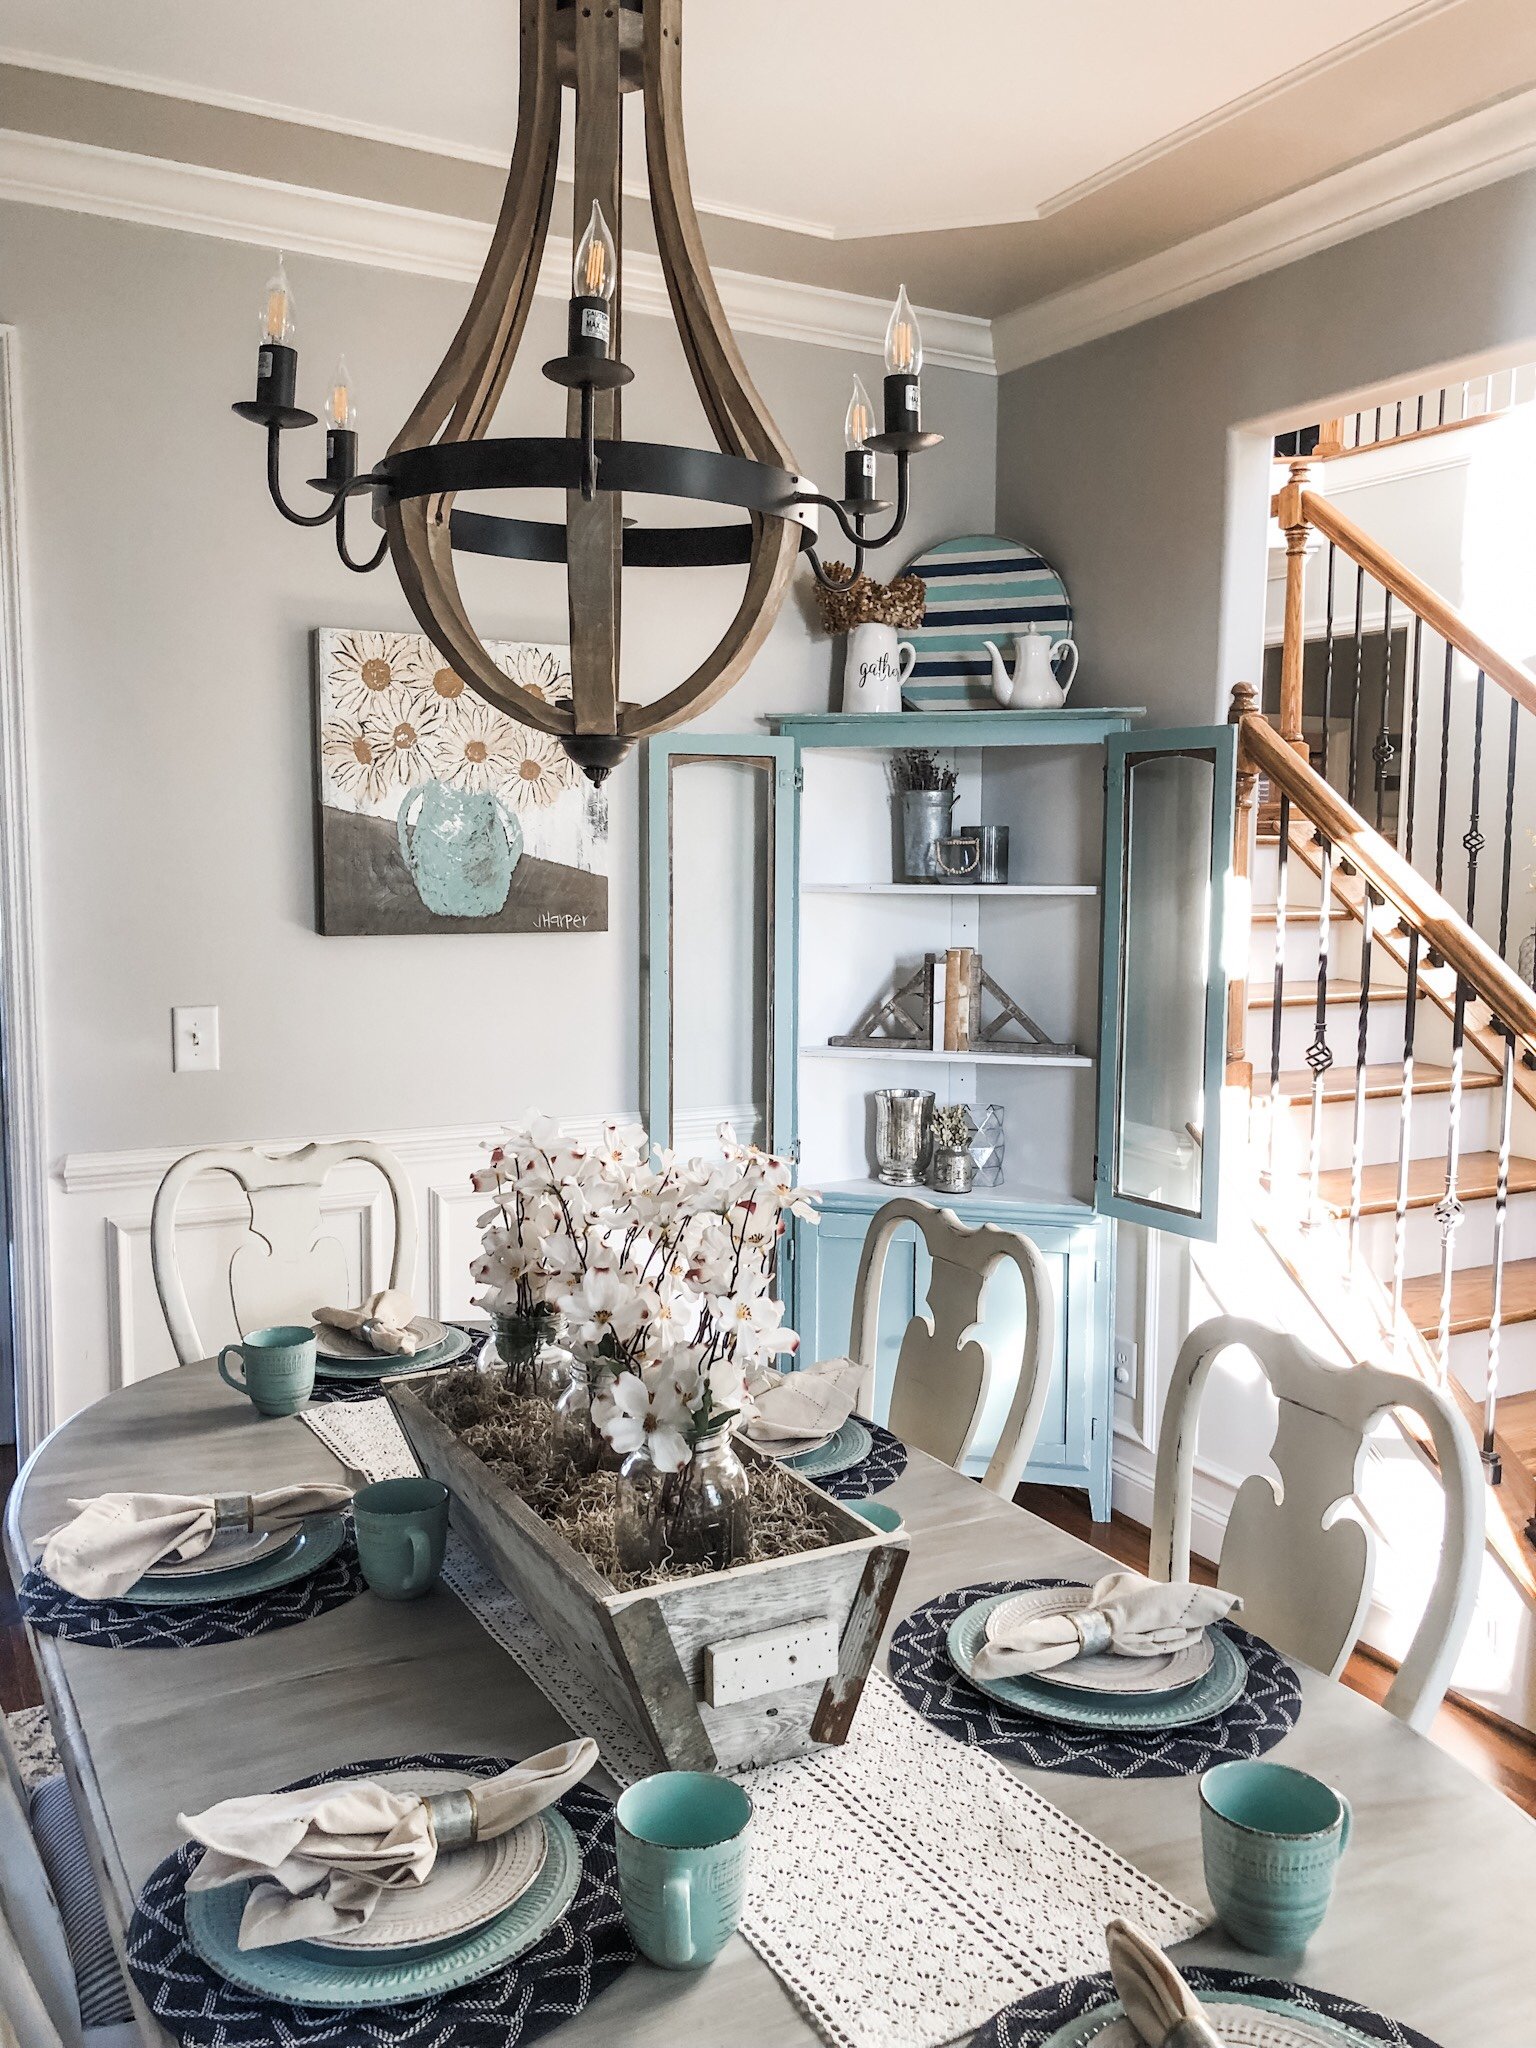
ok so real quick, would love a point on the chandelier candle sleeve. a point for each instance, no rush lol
(277, 359)
(340, 427)
(859, 457)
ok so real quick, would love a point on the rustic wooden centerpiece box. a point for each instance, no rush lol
(717, 1672)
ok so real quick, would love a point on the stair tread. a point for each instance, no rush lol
(1302, 995)
(1472, 1298)
(1386, 1081)
(1297, 914)
(1477, 1177)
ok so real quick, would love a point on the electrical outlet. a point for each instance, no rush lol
(1125, 1367)
(195, 1040)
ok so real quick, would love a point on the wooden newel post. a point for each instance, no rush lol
(1239, 1066)
(1290, 511)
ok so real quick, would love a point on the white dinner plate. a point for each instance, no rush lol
(230, 1547)
(1107, 1673)
(465, 1888)
(1238, 2022)
(344, 1345)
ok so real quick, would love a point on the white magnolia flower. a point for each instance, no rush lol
(601, 1305)
(634, 1413)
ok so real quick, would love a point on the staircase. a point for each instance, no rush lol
(1388, 1046)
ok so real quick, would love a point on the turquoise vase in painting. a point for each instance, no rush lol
(461, 847)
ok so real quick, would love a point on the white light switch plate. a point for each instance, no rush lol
(195, 1040)
(771, 1661)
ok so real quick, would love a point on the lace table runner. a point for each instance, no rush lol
(903, 1888)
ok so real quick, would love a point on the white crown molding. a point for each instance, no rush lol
(78, 177)
(365, 131)
(1494, 143)
(20, 985)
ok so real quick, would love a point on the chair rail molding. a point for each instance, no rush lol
(82, 177)
(21, 1046)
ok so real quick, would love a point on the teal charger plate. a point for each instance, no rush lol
(453, 1346)
(1212, 1694)
(319, 1540)
(1092, 2026)
(851, 1446)
(296, 1974)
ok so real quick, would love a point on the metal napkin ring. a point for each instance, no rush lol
(234, 1511)
(1094, 1633)
(455, 1819)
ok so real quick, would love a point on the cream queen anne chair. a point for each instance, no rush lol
(945, 1372)
(1303, 1567)
(288, 1264)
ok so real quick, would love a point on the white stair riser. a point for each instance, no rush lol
(1474, 1237)
(1517, 1360)
(1301, 885)
(1383, 1044)
(1301, 951)
(1427, 1131)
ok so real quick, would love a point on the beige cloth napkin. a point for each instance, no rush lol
(384, 1321)
(1127, 1616)
(329, 1854)
(786, 1405)
(1158, 2003)
(116, 1538)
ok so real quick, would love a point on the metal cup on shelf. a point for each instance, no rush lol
(903, 1135)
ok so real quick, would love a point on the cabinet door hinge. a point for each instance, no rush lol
(799, 777)
(1093, 1427)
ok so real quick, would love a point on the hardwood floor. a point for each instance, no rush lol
(1505, 1760)
(1496, 1754)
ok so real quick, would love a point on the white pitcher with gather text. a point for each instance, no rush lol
(1034, 684)
(875, 666)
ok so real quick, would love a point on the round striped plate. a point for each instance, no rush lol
(980, 587)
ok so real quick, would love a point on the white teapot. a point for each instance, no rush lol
(1033, 686)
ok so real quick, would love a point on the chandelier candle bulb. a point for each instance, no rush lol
(594, 275)
(859, 458)
(903, 365)
(340, 428)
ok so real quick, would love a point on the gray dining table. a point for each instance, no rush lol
(1431, 1921)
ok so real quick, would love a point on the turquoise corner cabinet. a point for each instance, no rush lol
(781, 917)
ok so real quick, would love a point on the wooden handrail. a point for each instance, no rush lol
(1425, 910)
(1414, 592)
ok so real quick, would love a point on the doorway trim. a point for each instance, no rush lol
(26, 1170)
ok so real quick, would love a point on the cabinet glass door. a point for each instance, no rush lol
(1168, 826)
(720, 835)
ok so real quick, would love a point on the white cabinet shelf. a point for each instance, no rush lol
(938, 890)
(948, 1059)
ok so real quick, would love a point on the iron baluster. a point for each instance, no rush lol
(1509, 820)
(1354, 709)
(1410, 775)
(1277, 1015)
(1449, 1213)
(1445, 762)
(1472, 839)
(1404, 1123)
(1500, 1215)
(1319, 1057)
(1357, 1129)
(1383, 750)
(1398, 426)
(1441, 420)
(1418, 423)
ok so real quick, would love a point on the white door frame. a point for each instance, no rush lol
(26, 1159)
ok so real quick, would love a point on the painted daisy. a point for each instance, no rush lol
(364, 667)
(538, 769)
(405, 730)
(473, 749)
(540, 670)
(353, 763)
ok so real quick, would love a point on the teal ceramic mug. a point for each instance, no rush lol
(402, 1532)
(683, 1838)
(876, 1512)
(277, 1368)
(1272, 1839)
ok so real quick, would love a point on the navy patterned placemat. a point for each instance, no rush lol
(886, 1462)
(1032, 2021)
(122, 1625)
(327, 1391)
(1264, 1713)
(581, 1955)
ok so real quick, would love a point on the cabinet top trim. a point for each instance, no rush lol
(1064, 728)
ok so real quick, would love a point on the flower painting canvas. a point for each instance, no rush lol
(437, 813)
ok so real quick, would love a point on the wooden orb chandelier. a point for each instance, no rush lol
(600, 50)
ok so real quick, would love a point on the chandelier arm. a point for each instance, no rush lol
(275, 488)
(417, 539)
(719, 373)
(853, 530)
(836, 582)
(469, 379)
(367, 566)
(593, 518)
(775, 552)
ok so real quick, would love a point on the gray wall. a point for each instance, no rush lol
(1118, 459)
(169, 672)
